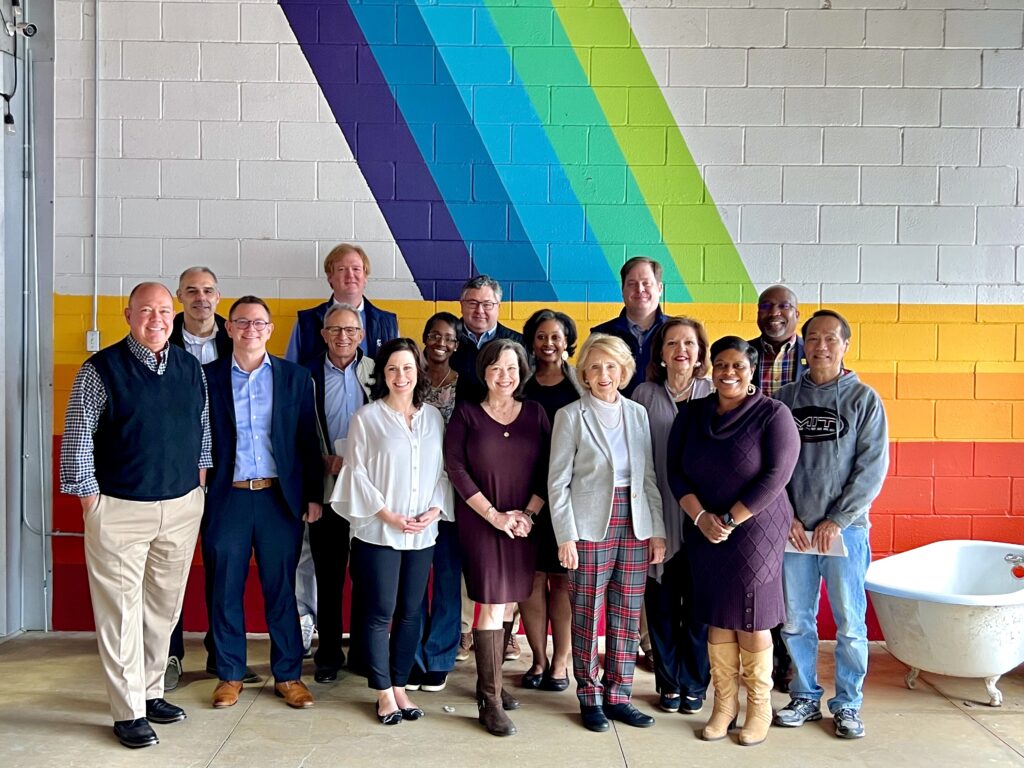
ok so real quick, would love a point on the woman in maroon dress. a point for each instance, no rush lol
(496, 454)
(731, 455)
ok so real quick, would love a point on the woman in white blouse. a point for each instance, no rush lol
(607, 516)
(393, 490)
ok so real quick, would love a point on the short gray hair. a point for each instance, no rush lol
(192, 270)
(481, 281)
(339, 307)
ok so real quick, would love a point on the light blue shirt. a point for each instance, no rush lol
(343, 396)
(483, 338)
(253, 394)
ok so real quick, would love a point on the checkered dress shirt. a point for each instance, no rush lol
(85, 406)
(777, 371)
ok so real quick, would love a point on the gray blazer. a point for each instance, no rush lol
(580, 475)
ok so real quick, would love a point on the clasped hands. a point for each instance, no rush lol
(513, 523)
(713, 528)
(411, 525)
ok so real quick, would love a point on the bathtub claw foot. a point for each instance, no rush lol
(911, 678)
(995, 696)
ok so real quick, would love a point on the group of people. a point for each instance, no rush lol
(710, 486)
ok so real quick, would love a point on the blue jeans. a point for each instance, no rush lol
(442, 608)
(844, 580)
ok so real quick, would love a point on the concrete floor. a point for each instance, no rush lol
(53, 712)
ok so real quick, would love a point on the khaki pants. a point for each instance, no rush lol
(137, 555)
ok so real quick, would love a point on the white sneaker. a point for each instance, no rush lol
(308, 627)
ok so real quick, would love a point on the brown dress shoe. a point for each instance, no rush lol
(295, 694)
(226, 693)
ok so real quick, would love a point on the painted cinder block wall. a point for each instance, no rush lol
(869, 155)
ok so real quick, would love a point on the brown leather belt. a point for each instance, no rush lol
(256, 484)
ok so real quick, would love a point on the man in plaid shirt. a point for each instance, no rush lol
(135, 451)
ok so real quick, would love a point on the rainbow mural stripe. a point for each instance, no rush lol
(502, 140)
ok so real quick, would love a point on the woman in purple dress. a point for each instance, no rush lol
(731, 455)
(496, 454)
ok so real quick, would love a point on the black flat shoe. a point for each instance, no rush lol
(594, 719)
(691, 705)
(412, 713)
(325, 674)
(628, 714)
(554, 683)
(163, 712)
(668, 703)
(532, 681)
(135, 734)
(391, 718)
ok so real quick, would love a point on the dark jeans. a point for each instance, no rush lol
(442, 611)
(680, 644)
(395, 582)
(328, 543)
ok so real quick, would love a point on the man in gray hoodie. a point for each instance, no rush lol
(844, 456)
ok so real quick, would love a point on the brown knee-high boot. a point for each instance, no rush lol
(725, 670)
(508, 701)
(490, 652)
(757, 676)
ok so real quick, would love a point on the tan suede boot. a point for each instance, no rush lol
(725, 669)
(757, 676)
(490, 651)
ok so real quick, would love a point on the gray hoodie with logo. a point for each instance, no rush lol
(844, 449)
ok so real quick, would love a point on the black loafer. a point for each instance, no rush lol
(163, 712)
(412, 713)
(594, 719)
(556, 684)
(250, 677)
(532, 681)
(667, 703)
(325, 674)
(135, 734)
(628, 714)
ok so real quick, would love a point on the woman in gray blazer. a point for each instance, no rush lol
(607, 515)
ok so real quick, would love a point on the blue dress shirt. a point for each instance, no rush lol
(343, 396)
(253, 394)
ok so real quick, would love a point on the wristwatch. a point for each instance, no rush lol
(727, 519)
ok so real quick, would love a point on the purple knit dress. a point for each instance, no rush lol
(748, 455)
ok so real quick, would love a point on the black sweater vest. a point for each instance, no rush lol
(150, 435)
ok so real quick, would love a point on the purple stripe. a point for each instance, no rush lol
(380, 138)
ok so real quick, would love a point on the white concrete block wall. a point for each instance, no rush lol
(849, 150)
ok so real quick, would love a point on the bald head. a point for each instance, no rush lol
(150, 315)
(777, 314)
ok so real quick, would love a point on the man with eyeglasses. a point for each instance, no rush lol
(266, 481)
(781, 361)
(200, 331)
(341, 381)
(347, 268)
(480, 300)
(136, 450)
(641, 315)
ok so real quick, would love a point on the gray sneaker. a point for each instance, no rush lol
(848, 724)
(172, 675)
(798, 712)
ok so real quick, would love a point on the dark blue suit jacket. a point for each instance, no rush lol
(293, 435)
(381, 326)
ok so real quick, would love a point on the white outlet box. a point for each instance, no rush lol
(92, 341)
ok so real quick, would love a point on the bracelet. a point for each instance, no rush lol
(487, 513)
(697, 518)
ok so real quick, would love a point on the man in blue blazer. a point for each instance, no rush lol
(347, 268)
(267, 480)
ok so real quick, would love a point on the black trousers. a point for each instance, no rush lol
(680, 644)
(394, 583)
(328, 543)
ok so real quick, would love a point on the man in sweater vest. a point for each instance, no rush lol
(141, 501)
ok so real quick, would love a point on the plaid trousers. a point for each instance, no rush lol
(616, 567)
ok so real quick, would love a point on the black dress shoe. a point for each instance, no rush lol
(556, 684)
(135, 734)
(250, 677)
(325, 674)
(412, 713)
(628, 714)
(532, 681)
(163, 712)
(594, 719)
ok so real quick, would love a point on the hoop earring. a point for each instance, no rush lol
(751, 389)
(565, 355)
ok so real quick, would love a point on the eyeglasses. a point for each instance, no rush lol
(436, 337)
(244, 324)
(349, 330)
(782, 306)
(486, 306)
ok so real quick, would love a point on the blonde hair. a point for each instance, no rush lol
(612, 346)
(340, 251)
